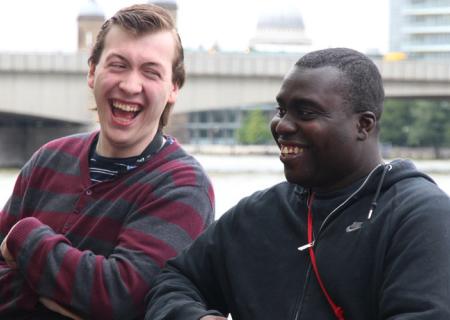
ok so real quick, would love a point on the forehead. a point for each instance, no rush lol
(158, 43)
(312, 81)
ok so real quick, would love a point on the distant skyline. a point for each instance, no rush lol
(50, 25)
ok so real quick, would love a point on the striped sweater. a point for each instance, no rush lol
(95, 248)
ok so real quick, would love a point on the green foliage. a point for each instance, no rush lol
(254, 129)
(431, 124)
(396, 122)
(416, 123)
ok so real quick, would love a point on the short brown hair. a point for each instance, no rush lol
(139, 19)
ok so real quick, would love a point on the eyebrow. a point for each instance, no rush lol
(146, 64)
(297, 101)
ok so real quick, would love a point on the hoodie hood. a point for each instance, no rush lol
(383, 177)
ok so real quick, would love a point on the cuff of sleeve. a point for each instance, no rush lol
(19, 234)
(193, 312)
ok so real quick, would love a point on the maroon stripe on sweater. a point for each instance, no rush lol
(88, 227)
(36, 270)
(186, 176)
(71, 145)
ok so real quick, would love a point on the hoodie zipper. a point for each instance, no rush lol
(332, 213)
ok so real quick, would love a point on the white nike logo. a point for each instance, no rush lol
(354, 226)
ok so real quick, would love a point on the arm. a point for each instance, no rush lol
(417, 264)
(112, 287)
(15, 293)
(189, 288)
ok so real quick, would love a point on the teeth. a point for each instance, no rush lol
(289, 150)
(125, 107)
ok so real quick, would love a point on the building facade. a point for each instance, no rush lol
(420, 28)
(90, 19)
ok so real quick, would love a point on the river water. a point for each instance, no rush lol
(234, 177)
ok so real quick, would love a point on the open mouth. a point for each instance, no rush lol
(124, 112)
(290, 151)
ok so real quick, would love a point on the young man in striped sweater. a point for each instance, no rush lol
(93, 217)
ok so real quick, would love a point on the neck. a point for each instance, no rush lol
(111, 149)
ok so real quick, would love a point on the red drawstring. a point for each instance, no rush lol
(338, 311)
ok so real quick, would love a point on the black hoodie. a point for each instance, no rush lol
(391, 263)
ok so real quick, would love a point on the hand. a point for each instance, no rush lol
(212, 318)
(6, 254)
(55, 307)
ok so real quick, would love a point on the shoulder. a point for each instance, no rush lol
(182, 168)
(411, 188)
(63, 150)
(70, 144)
(268, 204)
(277, 193)
(416, 205)
(420, 192)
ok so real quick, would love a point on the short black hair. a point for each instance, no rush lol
(362, 81)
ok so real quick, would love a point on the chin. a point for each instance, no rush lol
(290, 176)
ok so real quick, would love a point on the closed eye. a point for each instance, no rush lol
(118, 66)
(152, 73)
(280, 111)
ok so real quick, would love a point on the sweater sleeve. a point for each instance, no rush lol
(114, 286)
(15, 293)
(189, 287)
(417, 264)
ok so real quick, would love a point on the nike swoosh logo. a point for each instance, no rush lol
(354, 226)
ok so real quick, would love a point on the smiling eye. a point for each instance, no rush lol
(152, 73)
(306, 114)
(117, 66)
(280, 111)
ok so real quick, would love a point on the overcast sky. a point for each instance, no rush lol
(50, 25)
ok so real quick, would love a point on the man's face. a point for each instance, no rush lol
(315, 129)
(132, 84)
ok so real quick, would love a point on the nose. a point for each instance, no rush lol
(283, 125)
(131, 83)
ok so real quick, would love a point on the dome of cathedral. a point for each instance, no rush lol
(280, 28)
(283, 17)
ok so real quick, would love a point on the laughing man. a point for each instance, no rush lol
(93, 217)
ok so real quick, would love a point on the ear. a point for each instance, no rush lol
(164, 120)
(367, 124)
(91, 76)
(173, 94)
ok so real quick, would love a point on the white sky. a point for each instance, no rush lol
(50, 25)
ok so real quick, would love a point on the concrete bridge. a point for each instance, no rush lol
(45, 95)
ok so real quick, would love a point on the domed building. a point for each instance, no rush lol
(280, 28)
(170, 5)
(90, 20)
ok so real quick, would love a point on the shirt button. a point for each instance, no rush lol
(88, 192)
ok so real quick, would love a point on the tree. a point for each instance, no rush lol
(396, 122)
(431, 126)
(416, 123)
(254, 129)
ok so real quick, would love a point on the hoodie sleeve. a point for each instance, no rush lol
(417, 266)
(188, 289)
